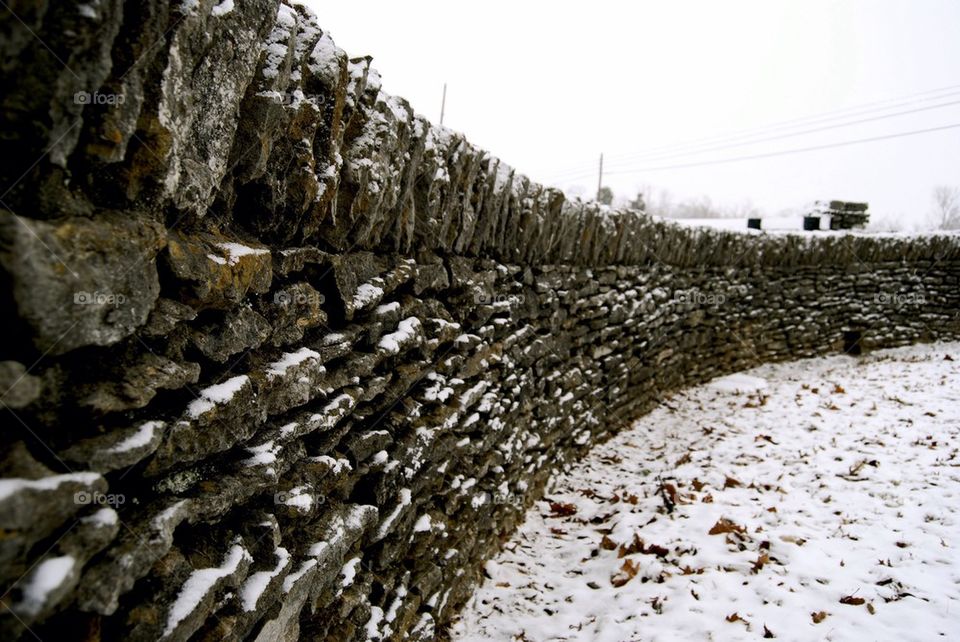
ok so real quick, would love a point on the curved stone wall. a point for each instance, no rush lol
(283, 359)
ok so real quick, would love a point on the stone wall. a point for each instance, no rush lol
(284, 359)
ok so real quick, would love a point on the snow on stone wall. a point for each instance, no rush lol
(285, 359)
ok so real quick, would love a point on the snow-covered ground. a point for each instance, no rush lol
(813, 500)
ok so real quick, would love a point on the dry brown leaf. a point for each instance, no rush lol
(819, 616)
(627, 572)
(852, 600)
(762, 559)
(671, 492)
(725, 525)
(638, 546)
(730, 482)
(607, 544)
(562, 509)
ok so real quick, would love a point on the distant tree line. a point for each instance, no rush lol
(946, 207)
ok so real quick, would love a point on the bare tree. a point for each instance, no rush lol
(605, 195)
(946, 201)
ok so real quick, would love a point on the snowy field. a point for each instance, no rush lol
(813, 500)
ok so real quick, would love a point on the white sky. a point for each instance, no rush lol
(547, 86)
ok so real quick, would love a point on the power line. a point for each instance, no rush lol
(808, 131)
(787, 151)
(792, 134)
(797, 122)
(863, 108)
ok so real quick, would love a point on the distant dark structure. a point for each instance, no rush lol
(847, 216)
(824, 215)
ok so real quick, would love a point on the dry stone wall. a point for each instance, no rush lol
(284, 360)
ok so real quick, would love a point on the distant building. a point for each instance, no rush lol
(832, 215)
(845, 215)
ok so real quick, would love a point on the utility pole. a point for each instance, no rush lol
(443, 103)
(600, 178)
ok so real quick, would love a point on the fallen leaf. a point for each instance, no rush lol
(638, 546)
(670, 496)
(725, 525)
(735, 617)
(762, 559)
(730, 482)
(819, 616)
(561, 509)
(627, 572)
(850, 599)
(697, 484)
(607, 544)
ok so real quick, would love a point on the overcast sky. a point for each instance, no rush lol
(548, 86)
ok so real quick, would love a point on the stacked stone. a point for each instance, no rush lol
(847, 216)
(286, 360)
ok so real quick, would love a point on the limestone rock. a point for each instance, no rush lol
(217, 272)
(118, 448)
(135, 384)
(18, 388)
(79, 281)
(239, 330)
